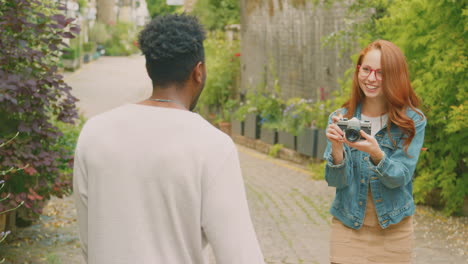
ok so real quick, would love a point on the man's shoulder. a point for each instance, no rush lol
(213, 135)
(107, 115)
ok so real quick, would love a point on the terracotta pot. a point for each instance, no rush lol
(225, 127)
(211, 118)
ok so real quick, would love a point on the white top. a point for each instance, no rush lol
(155, 185)
(376, 122)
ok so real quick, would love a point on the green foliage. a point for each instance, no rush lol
(159, 7)
(360, 24)
(271, 108)
(274, 150)
(297, 115)
(216, 14)
(227, 110)
(317, 170)
(70, 53)
(99, 33)
(82, 5)
(267, 104)
(223, 69)
(53, 259)
(66, 145)
(290, 116)
(249, 106)
(89, 47)
(122, 41)
(432, 35)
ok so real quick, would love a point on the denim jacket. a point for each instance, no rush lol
(390, 180)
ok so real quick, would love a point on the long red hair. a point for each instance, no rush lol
(396, 88)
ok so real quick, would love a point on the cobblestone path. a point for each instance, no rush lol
(289, 209)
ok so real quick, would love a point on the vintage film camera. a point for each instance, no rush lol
(351, 128)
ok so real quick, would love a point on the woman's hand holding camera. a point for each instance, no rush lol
(337, 138)
(369, 145)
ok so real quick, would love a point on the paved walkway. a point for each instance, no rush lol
(289, 209)
(109, 82)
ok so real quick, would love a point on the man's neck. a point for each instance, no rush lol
(170, 97)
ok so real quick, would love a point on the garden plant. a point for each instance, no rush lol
(34, 100)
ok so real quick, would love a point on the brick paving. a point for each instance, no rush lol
(289, 209)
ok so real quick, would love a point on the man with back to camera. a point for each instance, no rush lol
(154, 182)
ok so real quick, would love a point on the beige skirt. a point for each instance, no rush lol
(371, 243)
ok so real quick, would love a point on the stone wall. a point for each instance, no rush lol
(283, 38)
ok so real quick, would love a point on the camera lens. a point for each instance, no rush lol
(352, 135)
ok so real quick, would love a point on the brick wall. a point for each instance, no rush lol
(286, 40)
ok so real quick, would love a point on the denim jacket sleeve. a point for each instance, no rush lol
(336, 175)
(397, 169)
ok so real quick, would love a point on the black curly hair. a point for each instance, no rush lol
(172, 45)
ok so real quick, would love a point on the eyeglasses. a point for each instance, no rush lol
(365, 71)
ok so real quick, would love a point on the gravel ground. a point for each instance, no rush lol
(437, 234)
(51, 240)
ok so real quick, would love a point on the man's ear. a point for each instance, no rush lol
(199, 72)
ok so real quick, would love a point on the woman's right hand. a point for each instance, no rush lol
(334, 132)
(336, 137)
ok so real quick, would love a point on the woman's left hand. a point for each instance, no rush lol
(369, 145)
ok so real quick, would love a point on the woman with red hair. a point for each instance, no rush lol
(373, 207)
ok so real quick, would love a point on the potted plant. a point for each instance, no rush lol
(311, 120)
(217, 101)
(224, 120)
(271, 113)
(296, 116)
(321, 112)
(88, 49)
(70, 59)
(248, 112)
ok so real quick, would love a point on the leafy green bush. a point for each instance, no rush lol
(317, 169)
(432, 35)
(249, 106)
(99, 33)
(66, 144)
(159, 7)
(297, 115)
(274, 150)
(70, 54)
(216, 14)
(270, 107)
(122, 41)
(89, 47)
(223, 68)
(290, 116)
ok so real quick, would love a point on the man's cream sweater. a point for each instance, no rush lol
(155, 185)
